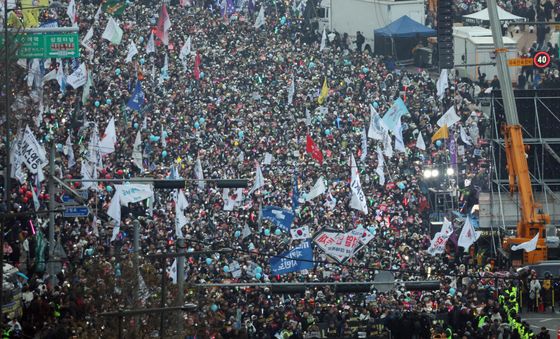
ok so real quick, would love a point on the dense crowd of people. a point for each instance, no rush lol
(222, 108)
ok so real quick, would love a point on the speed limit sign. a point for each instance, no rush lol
(541, 59)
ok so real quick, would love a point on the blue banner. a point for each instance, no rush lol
(137, 99)
(280, 217)
(291, 261)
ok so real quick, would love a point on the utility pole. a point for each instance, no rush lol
(136, 268)
(7, 166)
(510, 109)
(180, 280)
(6, 91)
(50, 267)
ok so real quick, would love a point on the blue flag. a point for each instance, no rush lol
(291, 261)
(137, 99)
(280, 217)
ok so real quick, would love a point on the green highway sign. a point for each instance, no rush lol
(46, 46)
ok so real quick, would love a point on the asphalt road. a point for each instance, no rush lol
(549, 320)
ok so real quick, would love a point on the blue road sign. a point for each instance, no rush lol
(76, 212)
(69, 200)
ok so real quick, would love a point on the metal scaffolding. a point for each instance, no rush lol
(539, 119)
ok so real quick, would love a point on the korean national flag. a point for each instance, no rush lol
(137, 99)
(280, 217)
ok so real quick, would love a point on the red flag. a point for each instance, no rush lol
(312, 148)
(163, 25)
(197, 66)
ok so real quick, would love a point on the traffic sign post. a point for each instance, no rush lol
(520, 62)
(541, 59)
(45, 46)
(76, 212)
(68, 200)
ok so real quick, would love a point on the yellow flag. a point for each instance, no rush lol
(31, 11)
(324, 92)
(14, 21)
(29, 18)
(442, 133)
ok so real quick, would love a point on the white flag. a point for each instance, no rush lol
(185, 52)
(447, 227)
(137, 151)
(377, 129)
(364, 146)
(420, 144)
(69, 151)
(114, 210)
(36, 203)
(132, 51)
(437, 245)
(199, 174)
(449, 118)
(61, 76)
(107, 144)
(267, 159)
(172, 271)
(323, 40)
(245, 232)
(387, 146)
(399, 142)
(468, 235)
(116, 230)
(318, 189)
(307, 117)
(464, 136)
(16, 159)
(151, 45)
(87, 88)
(131, 193)
(528, 246)
(442, 83)
(291, 90)
(98, 14)
(358, 197)
(31, 152)
(300, 233)
(380, 170)
(87, 38)
(181, 204)
(331, 201)
(113, 32)
(50, 76)
(86, 173)
(260, 21)
(259, 180)
(162, 137)
(72, 13)
(78, 78)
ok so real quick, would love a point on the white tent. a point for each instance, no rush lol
(482, 16)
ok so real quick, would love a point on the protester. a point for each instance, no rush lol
(215, 110)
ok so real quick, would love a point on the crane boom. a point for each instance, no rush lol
(531, 221)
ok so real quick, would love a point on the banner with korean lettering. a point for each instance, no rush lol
(437, 245)
(339, 246)
(131, 193)
(297, 259)
(32, 152)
